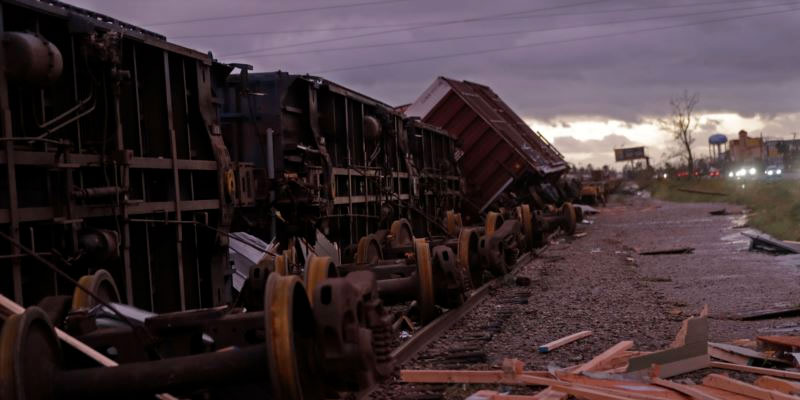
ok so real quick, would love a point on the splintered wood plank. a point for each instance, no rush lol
(546, 348)
(792, 342)
(756, 370)
(622, 386)
(721, 394)
(690, 390)
(746, 352)
(781, 385)
(583, 391)
(463, 376)
(550, 394)
(736, 386)
(612, 352)
(727, 357)
(492, 395)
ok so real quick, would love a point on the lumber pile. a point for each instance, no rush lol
(621, 373)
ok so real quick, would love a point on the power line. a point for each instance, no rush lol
(276, 12)
(442, 23)
(486, 35)
(538, 44)
(414, 24)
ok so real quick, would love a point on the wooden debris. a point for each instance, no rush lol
(790, 343)
(689, 390)
(550, 394)
(756, 370)
(546, 348)
(736, 386)
(100, 358)
(769, 313)
(464, 376)
(680, 250)
(727, 356)
(582, 391)
(748, 354)
(689, 351)
(781, 385)
(593, 364)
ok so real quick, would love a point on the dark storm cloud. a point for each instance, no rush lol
(747, 66)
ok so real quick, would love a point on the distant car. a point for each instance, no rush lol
(773, 171)
(743, 172)
(713, 173)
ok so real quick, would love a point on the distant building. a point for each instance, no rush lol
(746, 149)
(781, 151)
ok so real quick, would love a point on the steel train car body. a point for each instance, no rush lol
(329, 158)
(111, 156)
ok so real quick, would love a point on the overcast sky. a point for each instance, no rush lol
(590, 75)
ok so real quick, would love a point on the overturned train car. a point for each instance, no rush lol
(325, 158)
(112, 157)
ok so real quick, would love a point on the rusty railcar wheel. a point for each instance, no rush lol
(402, 234)
(526, 216)
(293, 357)
(426, 299)
(101, 283)
(29, 354)
(453, 223)
(284, 262)
(469, 259)
(568, 213)
(317, 270)
(493, 221)
(369, 250)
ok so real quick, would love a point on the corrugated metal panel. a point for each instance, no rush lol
(541, 155)
(497, 144)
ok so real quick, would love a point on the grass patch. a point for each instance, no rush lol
(775, 204)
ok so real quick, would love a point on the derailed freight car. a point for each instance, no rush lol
(330, 159)
(112, 157)
(502, 155)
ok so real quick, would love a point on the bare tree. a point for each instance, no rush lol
(682, 123)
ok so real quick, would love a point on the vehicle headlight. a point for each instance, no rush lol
(778, 172)
(752, 171)
(770, 172)
(741, 172)
(665, 176)
(730, 174)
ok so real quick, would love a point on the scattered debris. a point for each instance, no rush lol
(681, 250)
(769, 313)
(579, 235)
(702, 192)
(719, 212)
(546, 348)
(771, 245)
(619, 373)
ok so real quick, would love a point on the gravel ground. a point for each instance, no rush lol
(599, 282)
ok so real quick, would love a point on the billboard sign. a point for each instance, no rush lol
(630, 153)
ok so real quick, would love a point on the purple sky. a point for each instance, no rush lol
(746, 66)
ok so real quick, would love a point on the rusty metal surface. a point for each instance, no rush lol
(498, 146)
